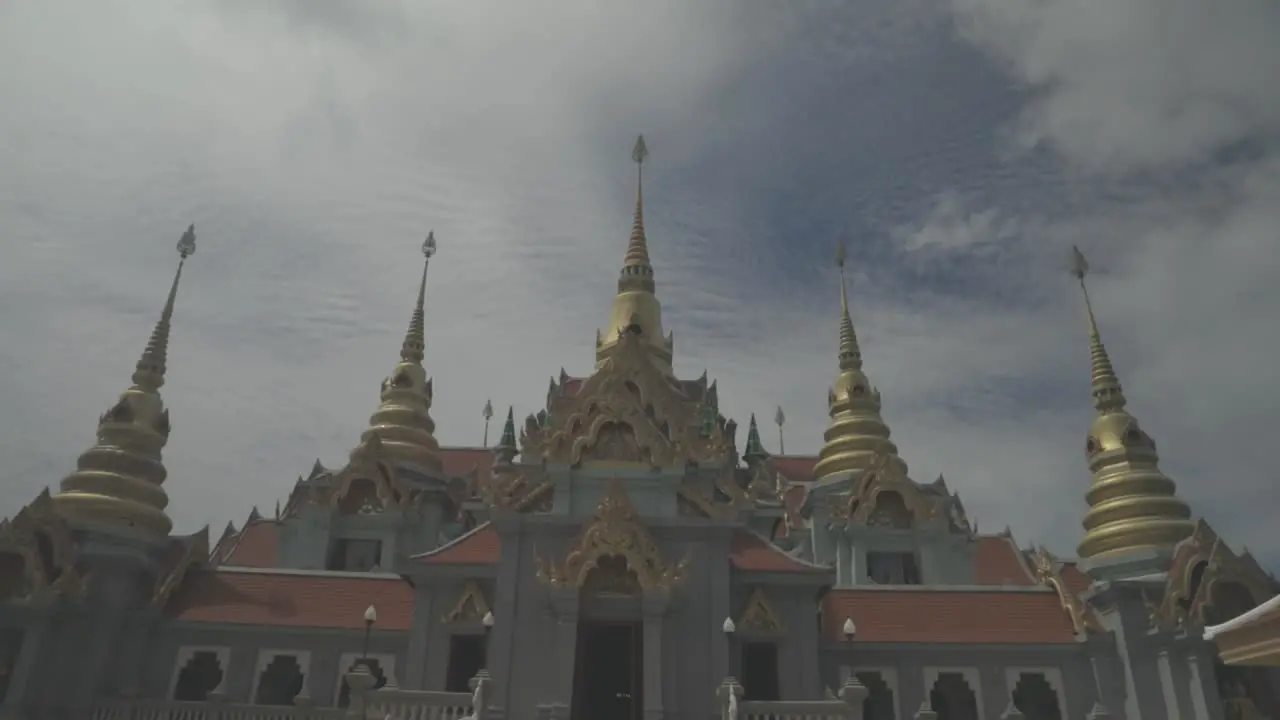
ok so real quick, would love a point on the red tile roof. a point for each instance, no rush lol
(254, 546)
(291, 599)
(1075, 579)
(797, 468)
(752, 552)
(461, 461)
(949, 616)
(479, 546)
(998, 561)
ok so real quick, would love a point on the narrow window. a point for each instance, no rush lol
(466, 659)
(760, 671)
(351, 555)
(200, 676)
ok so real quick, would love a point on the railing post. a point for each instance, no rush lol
(1012, 713)
(729, 693)
(480, 695)
(853, 693)
(360, 681)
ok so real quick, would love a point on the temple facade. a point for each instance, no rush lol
(618, 554)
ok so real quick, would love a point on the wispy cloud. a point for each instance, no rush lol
(315, 143)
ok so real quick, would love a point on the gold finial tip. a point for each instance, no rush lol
(1079, 266)
(840, 254)
(640, 151)
(429, 245)
(187, 243)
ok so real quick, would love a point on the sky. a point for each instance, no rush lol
(958, 147)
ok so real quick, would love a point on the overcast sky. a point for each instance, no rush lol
(959, 147)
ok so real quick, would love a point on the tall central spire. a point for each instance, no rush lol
(857, 435)
(636, 309)
(402, 426)
(117, 484)
(1134, 511)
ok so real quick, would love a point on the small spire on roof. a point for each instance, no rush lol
(754, 451)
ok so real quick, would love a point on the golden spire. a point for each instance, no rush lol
(402, 427)
(1133, 506)
(635, 308)
(117, 484)
(857, 435)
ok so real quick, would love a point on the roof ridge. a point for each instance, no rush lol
(772, 546)
(452, 543)
(970, 589)
(239, 536)
(299, 572)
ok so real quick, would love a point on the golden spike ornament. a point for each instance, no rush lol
(117, 484)
(1133, 506)
(857, 434)
(401, 432)
(636, 309)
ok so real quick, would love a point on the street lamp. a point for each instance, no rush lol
(487, 622)
(370, 617)
(849, 630)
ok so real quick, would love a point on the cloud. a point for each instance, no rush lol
(314, 144)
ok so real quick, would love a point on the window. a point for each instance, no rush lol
(279, 680)
(893, 568)
(466, 659)
(354, 555)
(198, 672)
(760, 671)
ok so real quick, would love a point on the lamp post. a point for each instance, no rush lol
(487, 622)
(729, 627)
(729, 692)
(360, 679)
(370, 617)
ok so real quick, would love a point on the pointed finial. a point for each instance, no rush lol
(149, 372)
(640, 152)
(414, 346)
(1108, 395)
(850, 353)
(754, 450)
(635, 263)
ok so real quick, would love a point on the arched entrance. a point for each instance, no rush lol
(608, 679)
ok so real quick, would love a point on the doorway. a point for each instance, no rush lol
(608, 672)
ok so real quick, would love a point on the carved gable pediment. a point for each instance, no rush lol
(1048, 571)
(627, 411)
(39, 555)
(615, 531)
(194, 550)
(1201, 563)
(759, 616)
(469, 607)
(884, 496)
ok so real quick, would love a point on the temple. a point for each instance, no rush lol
(619, 555)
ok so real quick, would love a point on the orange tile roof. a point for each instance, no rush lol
(798, 468)
(1074, 578)
(1000, 562)
(291, 599)
(254, 546)
(479, 546)
(753, 552)
(461, 461)
(949, 616)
